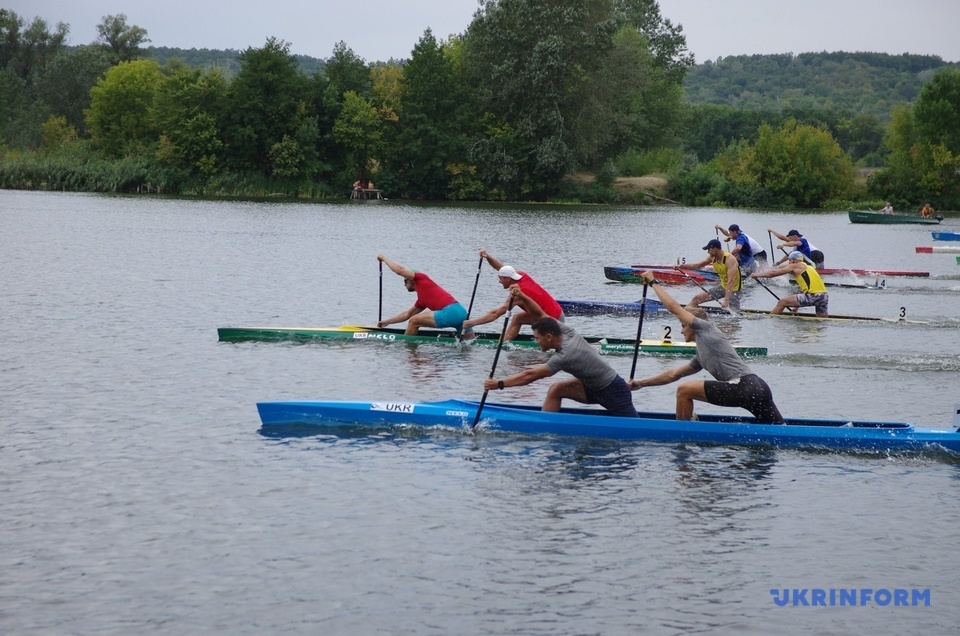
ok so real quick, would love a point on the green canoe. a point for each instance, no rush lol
(866, 216)
(443, 336)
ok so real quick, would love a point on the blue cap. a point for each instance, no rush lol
(795, 255)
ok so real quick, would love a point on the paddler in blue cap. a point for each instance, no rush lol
(812, 290)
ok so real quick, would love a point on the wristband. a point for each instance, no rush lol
(500, 384)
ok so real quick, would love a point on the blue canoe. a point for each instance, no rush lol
(594, 423)
(946, 236)
(607, 308)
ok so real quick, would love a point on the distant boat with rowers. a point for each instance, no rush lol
(868, 216)
(448, 337)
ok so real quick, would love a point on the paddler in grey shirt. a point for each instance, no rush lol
(594, 381)
(735, 384)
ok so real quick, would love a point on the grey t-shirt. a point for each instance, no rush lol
(716, 354)
(579, 359)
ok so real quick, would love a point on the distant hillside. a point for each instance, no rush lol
(854, 83)
(225, 60)
(851, 83)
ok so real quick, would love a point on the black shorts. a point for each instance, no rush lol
(616, 397)
(749, 392)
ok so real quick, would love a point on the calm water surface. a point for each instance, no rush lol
(138, 493)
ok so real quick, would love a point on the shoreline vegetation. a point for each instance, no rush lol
(130, 176)
(630, 118)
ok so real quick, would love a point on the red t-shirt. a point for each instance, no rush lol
(430, 295)
(537, 293)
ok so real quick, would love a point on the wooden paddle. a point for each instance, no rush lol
(636, 347)
(493, 368)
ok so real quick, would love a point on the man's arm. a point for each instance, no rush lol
(664, 377)
(773, 273)
(722, 229)
(698, 265)
(777, 234)
(668, 301)
(490, 316)
(396, 267)
(519, 379)
(529, 304)
(494, 262)
(404, 315)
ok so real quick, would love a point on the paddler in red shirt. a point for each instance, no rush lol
(509, 276)
(435, 306)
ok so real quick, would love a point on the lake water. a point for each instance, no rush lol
(138, 493)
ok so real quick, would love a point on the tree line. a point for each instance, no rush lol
(531, 92)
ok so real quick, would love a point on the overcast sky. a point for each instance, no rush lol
(377, 30)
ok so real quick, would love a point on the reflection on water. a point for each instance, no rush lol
(719, 485)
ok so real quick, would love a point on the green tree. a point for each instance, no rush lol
(922, 166)
(188, 107)
(346, 71)
(527, 61)
(862, 139)
(121, 108)
(57, 134)
(123, 40)
(633, 104)
(667, 43)
(24, 52)
(937, 111)
(267, 100)
(66, 81)
(359, 130)
(431, 118)
(798, 164)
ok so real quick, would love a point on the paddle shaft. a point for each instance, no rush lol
(380, 312)
(767, 288)
(636, 347)
(493, 367)
(475, 284)
(711, 299)
(472, 296)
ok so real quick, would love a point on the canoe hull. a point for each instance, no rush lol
(605, 308)
(438, 336)
(594, 423)
(946, 236)
(878, 218)
(667, 276)
(823, 271)
(938, 249)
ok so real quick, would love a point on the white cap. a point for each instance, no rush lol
(508, 272)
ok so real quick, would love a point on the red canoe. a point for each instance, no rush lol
(668, 276)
